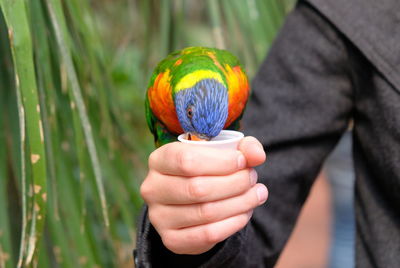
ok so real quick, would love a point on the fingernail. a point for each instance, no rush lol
(262, 194)
(253, 177)
(241, 161)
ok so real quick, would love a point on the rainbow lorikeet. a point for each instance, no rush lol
(198, 91)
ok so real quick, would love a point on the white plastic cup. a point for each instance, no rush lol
(227, 139)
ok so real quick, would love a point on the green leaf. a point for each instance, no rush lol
(29, 117)
(58, 23)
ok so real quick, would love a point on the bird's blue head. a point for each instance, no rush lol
(203, 109)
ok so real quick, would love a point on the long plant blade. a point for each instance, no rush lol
(214, 12)
(6, 254)
(29, 112)
(60, 33)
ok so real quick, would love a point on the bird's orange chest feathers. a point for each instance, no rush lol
(238, 92)
(162, 103)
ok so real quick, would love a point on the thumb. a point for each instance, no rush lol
(253, 151)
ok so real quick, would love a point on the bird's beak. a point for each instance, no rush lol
(195, 137)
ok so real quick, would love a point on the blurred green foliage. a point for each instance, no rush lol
(73, 139)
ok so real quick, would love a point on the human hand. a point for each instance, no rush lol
(199, 196)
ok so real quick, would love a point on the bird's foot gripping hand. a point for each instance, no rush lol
(198, 196)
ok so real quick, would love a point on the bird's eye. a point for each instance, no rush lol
(189, 112)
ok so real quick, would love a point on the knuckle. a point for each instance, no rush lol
(171, 241)
(196, 190)
(210, 235)
(145, 190)
(153, 216)
(185, 161)
(152, 159)
(167, 239)
(206, 212)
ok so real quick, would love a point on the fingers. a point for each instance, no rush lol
(199, 239)
(253, 151)
(170, 190)
(189, 160)
(204, 213)
(199, 196)
(194, 229)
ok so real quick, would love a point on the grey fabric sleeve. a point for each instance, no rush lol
(300, 106)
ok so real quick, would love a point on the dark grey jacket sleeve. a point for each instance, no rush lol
(301, 104)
